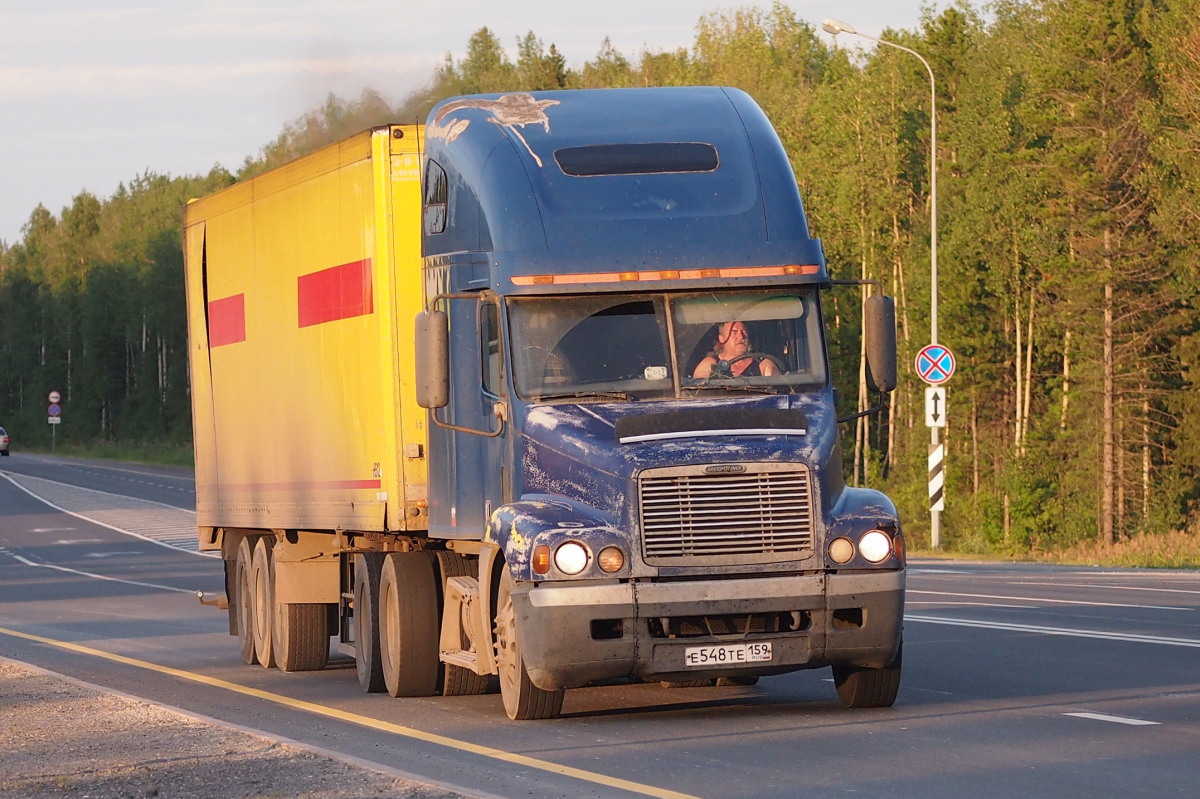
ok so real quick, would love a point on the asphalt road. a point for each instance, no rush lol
(1020, 680)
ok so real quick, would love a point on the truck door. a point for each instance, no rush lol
(481, 473)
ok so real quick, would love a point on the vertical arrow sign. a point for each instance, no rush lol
(937, 477)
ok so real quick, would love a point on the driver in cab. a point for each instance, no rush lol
(733, 357)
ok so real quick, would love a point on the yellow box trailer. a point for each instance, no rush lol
(302, 288)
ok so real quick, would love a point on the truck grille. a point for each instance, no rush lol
(739, 513)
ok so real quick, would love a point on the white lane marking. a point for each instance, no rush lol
(156, 522)
(29, 562)
(1114, 587)
(1044, 601)
(53, 530)
(1115, 719)
(908, 603)
(1065, 631)
(919, 570)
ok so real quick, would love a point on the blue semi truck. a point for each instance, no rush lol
(643, 499)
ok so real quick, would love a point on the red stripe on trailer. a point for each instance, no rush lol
(340, 292)
(227, 321)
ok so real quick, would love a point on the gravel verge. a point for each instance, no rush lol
(63, 738)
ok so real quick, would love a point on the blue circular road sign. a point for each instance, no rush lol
(935, 364)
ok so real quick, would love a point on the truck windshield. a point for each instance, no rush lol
(656, 346)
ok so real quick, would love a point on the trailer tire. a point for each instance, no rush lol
(244, 599)
(408, 623)
(864, 687)
(522, 699)
(301, 633)
(457, 680)
(367, 569)
(262, 581)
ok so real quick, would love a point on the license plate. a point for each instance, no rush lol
(726, 654)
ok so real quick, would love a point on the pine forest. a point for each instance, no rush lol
(1068, 231)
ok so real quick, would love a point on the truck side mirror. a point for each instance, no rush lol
(432, 359)
(880, 323)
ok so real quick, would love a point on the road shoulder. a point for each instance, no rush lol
(63, 737)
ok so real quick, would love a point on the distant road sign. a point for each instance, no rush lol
(54, 419)
(54, 410)
(55, 396)
(935, 364)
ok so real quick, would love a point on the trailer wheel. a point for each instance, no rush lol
(244, 599)
(456, 680)
(859, 687)
(522, 699)
(262, 580)
(408, 624)
(367, 568)
(301, 641)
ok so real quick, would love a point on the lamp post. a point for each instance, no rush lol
(834, 27)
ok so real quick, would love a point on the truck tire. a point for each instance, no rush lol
(687, 683)
(408, 623)
(262, 581)
(456, 680)
(860, 687)
(724, 682)
(367, 569)
(522, 699)
(244, 599)
(301, 640)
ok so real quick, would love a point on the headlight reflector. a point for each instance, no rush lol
(571, 557)
(875, 546)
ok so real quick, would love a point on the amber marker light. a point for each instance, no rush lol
(611, 559)
(541, 559)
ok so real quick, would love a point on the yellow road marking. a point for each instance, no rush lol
(364, 721)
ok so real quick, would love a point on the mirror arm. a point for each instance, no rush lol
(867, 412)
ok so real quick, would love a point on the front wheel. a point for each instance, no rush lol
(522, 699)
(861, 687)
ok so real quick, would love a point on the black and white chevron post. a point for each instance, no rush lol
(937, 477)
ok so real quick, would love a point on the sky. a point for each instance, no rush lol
(94, 93)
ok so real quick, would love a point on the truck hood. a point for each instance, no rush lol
(592, 453)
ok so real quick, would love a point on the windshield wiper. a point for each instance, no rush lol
(746, 387)
(618, 395)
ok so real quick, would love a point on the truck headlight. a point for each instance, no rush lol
(571, 557)
(875, 546)
(611, 559)
(841, 550)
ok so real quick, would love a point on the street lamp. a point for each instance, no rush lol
(834, 27)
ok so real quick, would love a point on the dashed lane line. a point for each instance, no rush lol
(1115, 719)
